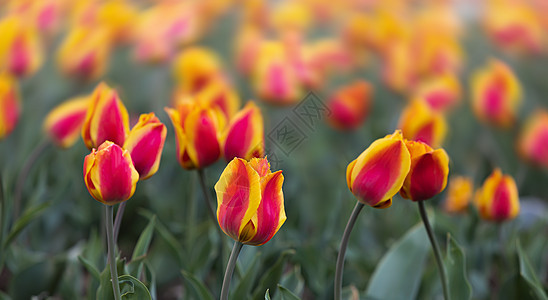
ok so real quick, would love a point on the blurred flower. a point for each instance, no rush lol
(350, 105)
(10, 104)
(441, 93)
(219, 93)
(247, 48)
(299, 58)
(496, 94)
(291, 16)
(419, 123)
(428, 173)
(84, 52)
(250, 201)
(194, 68)
(145, 143)
(45, 15)
(244, 137)
(532, 143)
(437, 54)
(329, 55)
(64, 123)
(109, 174)
(119, 17)
(498, 199)
(378, 30)
(21, 50)
(398, 66)
(197, 130)
(106, 119)
(459, 194)
(379, 172)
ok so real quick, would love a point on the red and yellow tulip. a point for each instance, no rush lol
(10, 104)
(441, 93)
(64, 123)
(350, 105)
(21, 50)
(498, 199)
(219, 93)
(533, 140)
(109, 174)
(145, 143)
(459, 194)
(244, 137)
(194, 68)
(379, 172)
(428, 173)
(418, 122)
(250, 201)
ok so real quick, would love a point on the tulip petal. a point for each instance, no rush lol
(63, 123)
(245, 135)
(428, 175)
(203, 143)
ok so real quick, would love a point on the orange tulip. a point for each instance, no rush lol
(419, 123)
(498, 199)
(459, 194)
(10, 104)
(21, 50)
(350, 105)
(533, 140)
(244, 137)
(250, 201)
(64, 123)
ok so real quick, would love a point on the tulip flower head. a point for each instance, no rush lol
(64, 123)
(428, 173)
(10, 104)
(250, 202)
(109, 174)
(244, 137)
(533, 140)
(419, 122)
(498, 200)
(195, 67)
(459, 194)
(145, 143)
(379, 172)
(350, 105)
(21, 50)
(441, 93)
(219, 93)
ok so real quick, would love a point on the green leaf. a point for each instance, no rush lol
(287, 294)
(28, 216)
(133, 289)
(245, 283)
(398, 274)
(143, 243)
(104, 291)
(267, 295)
(271, 277)
(90, 267)
(455, 264)
(198, 286)
(527, 273)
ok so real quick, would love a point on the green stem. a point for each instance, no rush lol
(342, 250)
(230, 269)
(435, 248)
(109, 212)
(210, 210)
(118, 220)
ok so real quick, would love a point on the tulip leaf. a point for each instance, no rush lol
(272, 276)
(199, 287)
(143, 243)
(28, 216)
(455, 265)
(287, 294)
(243, 288)
(267, 295)
(528, 275)
(104, 291)
(402, 267)
(133, 289)
(90, 267)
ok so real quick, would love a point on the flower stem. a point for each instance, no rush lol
(118, 220)
(435, 248)
(342, 250)
(230, 269)
(109, 212)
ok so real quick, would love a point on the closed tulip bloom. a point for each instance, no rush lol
(533, 140)
(106, 118)
(250, 201)
(219, 93)
(350, 105)
(145, 143)
(428, 173)
(498, 199)
(195, 67)
(399, 69)
(419, 122)
(459, 194)
(109, 174)
(64, 123)
(244, 137)
(441, 93)
(496, 94)
(197, 130)
(10, 104)
(379, 172)
(21, 50)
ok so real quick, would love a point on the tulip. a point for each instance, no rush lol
(350, 105)
(195, 67)
(276, 81)
(441, 93)
(496, 94)
(459, 194)
(45, 15)
(10, 104)
(119, 17)
(291, 16)
(21, 50)
(428, 173)
(64, 123)
(106, 118)
(109, 174)
(398, 70)
(145, 143)
(437, 54)
(250, 202)
(419, 123)
(498, 200)
(533, 140)
(197, 129)
(219, 93)
(244, 137)
(379, 172)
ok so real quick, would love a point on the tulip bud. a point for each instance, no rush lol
(379, 172)
(419, 123)
(244, 137)
(441, 93)
(195, 67)
(398, 70)
(109, 174)
(496, 94)
(106, 118)
(437, 54)
(459, 194)
(428, 173)
(64, 123)
(197, 131)
(250, 201)
(218, 93)
(498, 199)
(21, 50)
(145, 143)
(10, 104)
(350, 105)
(533, 140)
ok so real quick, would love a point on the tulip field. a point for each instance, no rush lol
(292, 149)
